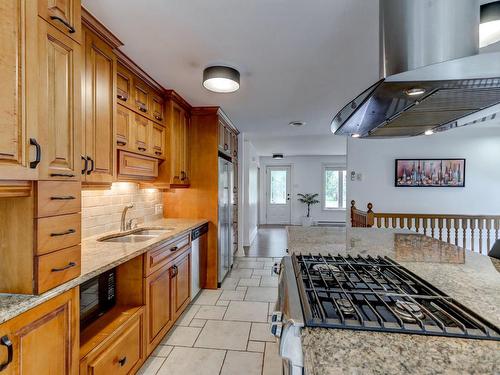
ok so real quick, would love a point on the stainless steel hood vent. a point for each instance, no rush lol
(433, 83)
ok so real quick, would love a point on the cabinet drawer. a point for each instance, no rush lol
(58, 198)
(158, 257)
(56, 268)
(136, 167)
(123, 353)
(57, 232)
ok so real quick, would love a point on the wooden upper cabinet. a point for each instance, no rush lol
(142, 96)
(124, 86)
(59, 120)
(179, 145)
(100, 73)
(158, 140)
(141, 131)
(158, 108)
(65, 15)
(39, 333)
(18, 100)
(222, 137)
(124, 125)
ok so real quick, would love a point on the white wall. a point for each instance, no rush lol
(479, 144)
(250, 196)
(306, 177)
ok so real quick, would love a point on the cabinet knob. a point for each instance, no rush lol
(122, 361)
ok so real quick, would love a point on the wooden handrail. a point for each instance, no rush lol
(472, 232)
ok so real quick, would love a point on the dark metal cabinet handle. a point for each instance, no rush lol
(86, 164)
(71, 29)
(141, 149)
(38, 156)
(183, 175)
(175, 248)
(159, 118)
(70, 265)
(226, 147)
(122, 97)
(158, 153)
(62, 175)
(121, 143)
(5, 341)
(91, 169)
(63, 198)
(69, 231)
(143, 108)
(122, 361)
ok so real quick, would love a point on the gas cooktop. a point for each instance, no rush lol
(378, 294)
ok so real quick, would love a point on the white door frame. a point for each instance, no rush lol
(270, 167)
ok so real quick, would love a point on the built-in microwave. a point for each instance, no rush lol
(97, 296)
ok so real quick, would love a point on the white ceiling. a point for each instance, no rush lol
(299, 59)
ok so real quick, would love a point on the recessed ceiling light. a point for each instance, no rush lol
(415, 91)
(277, 156)
(355, 135)
(221, 79)
(296, 123)
(429, 132)
(489, 28)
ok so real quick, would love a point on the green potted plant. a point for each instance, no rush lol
(309, 200)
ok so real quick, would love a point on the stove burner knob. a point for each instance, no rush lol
(277, 316)
(277, 268)
(276, 329)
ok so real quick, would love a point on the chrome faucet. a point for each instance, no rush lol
(123, 226)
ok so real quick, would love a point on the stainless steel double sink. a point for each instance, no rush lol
(135, 235)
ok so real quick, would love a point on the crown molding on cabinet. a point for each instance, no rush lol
(216, 111)
(92, 23)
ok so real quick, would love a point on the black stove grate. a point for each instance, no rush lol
(378, 294)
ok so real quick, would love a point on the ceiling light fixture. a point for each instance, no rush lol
(489, 27)
(415, 91)
(222, 79)
(429, 132)
(296, 123)
(355, 135)
(277, 156)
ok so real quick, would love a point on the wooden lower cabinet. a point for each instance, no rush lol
(45, 339)
(122, 352)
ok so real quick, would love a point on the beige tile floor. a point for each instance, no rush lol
(225, 331)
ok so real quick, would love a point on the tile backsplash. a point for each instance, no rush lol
(101, 209)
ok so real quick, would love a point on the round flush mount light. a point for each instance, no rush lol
(296, 123)
(429, 132)
(277, 156)
(415, 91)
(221, 79)
(355, 135)
(489, 27)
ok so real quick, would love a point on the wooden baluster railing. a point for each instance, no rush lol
(472, 228)
(480, 223)
(456, 225)
(448, 228)
(488, 233)
(465, 225)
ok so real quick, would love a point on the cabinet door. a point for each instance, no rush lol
(123, 126)
(158, 140)
(227, 141)
(222, 135)
(141, 134)
(234, 145)
(158, 304)
(100, 72)
(63, 14)
(158, 108)
(141, 93)
(18, 28)
(40, 333)
(59, 104)
(181, 283)
(124, 84)
(184, 147)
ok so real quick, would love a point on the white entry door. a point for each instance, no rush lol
(278, 195)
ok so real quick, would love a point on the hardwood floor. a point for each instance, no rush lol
(271, 241)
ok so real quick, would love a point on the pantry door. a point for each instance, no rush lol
(278, 195)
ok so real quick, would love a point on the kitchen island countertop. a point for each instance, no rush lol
(470, 278)
(97, 257)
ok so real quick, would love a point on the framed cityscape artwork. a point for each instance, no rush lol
(430, 173)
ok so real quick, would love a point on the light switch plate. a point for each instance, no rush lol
(158, 208)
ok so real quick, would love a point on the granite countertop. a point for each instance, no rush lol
(470, 278)
(97, 257)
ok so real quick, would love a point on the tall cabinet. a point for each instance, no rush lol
(210, 132)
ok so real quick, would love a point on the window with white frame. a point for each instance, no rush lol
(334, 188)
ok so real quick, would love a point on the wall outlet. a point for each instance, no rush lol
(158, 208)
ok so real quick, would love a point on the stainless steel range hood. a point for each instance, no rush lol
(434, 78)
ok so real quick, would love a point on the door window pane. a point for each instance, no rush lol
(331, 189)
(344, 188)
(278, 187)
